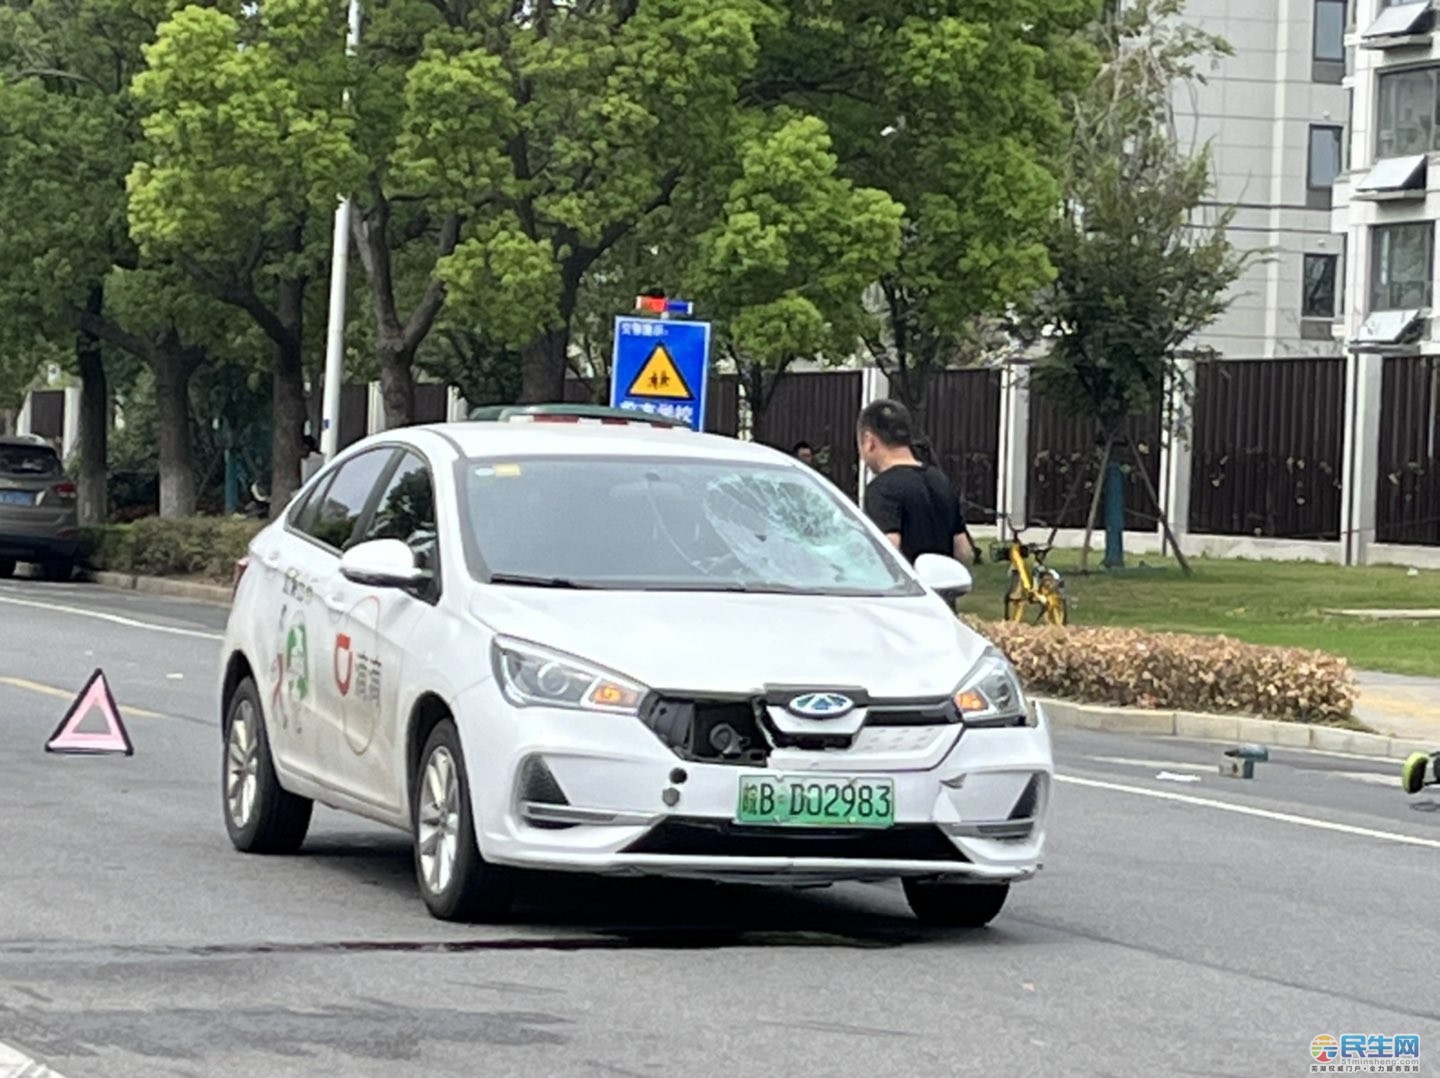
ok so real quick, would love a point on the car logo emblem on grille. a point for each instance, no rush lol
(821, 705)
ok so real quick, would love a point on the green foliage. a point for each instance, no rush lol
(952, 108)
(786, 262)
(192, 546)
(243, 136)
(1140, 268)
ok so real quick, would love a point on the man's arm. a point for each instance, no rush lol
(964, 549)
(882, 507)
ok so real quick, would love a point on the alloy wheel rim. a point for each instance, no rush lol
(438, 829)
(242, 768)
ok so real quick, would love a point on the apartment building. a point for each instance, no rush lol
(1386, 204)
(1275, 115)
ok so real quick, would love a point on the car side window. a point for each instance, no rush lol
(302, 517)
(338, 509)
(406, 511)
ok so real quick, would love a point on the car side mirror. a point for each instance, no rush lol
(945, 576)
(382, 563)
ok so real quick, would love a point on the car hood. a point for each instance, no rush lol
(728, 643)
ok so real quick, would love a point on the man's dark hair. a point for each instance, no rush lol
(801, 445)
(889, 421)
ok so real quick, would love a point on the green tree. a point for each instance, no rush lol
(70, 268)
(786, 263)
(1143, 262)
(244, 148)
(953, 108)
(555, 130)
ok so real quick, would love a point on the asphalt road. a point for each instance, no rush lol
(1207, 926)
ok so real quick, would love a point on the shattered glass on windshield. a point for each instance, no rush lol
(672, 524)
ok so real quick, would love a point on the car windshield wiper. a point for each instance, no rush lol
(521, 580)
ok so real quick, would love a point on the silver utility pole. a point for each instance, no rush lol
(339, 267)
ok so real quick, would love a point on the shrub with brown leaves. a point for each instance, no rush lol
(1175, 672)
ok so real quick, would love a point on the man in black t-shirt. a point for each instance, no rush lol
(912, 504)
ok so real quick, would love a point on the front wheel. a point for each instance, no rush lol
(456, 883)
(260, 815)
(955, 905)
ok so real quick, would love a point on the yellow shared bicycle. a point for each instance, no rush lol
(1033, 584)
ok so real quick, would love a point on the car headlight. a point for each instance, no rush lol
(991, 694)
(532, 676)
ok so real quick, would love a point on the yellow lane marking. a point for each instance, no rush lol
(65, 694)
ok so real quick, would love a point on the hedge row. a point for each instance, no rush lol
(1175, 672)
(205, 547)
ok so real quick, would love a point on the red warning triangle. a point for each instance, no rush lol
(69, 738)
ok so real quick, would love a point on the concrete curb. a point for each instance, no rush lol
(1228, 728)
(173, 589)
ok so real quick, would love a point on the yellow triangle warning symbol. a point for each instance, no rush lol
(659, 377)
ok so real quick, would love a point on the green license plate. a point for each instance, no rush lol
(805, 801)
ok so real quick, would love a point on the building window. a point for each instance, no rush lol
(1318, 294)
(1402, 259)
(1324, 166)
(1329, 42)
(1319, 298)
(1409, 105)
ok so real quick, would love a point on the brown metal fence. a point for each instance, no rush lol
(1407, 496)
(962, 417)
(1267, 442)
(1064, 467)
(819, 407)
(432, 402)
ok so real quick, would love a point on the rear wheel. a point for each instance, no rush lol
(58, 570)
(456, 883)
(260, 815)
(955, 905)
(7, 568)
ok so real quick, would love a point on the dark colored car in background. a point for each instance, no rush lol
(38, 520)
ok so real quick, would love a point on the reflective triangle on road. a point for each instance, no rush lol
(94, 699)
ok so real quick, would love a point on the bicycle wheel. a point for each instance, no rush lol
(1056, 608)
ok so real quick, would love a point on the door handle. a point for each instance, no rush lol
(335, 603)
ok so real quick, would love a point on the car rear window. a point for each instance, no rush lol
(29, 460)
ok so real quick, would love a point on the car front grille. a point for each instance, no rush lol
(697, 837)
(735, 730)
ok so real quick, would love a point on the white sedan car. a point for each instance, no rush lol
(549, 642)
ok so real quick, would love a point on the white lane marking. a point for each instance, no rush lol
(1168, 765)
(16, 1064)
(1246, 810)
(129, 623)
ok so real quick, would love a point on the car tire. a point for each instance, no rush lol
(955, 905)
(7, 568)
(260, 815)
(58, 570)
(456, 883)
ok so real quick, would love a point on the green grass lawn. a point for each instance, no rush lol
(1259, 602)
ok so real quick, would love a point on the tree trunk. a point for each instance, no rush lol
(397, 382)
(542, 367)
(94, 502)
(1095, 503)
(288, 397)
(172, 410)
(545, 360)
